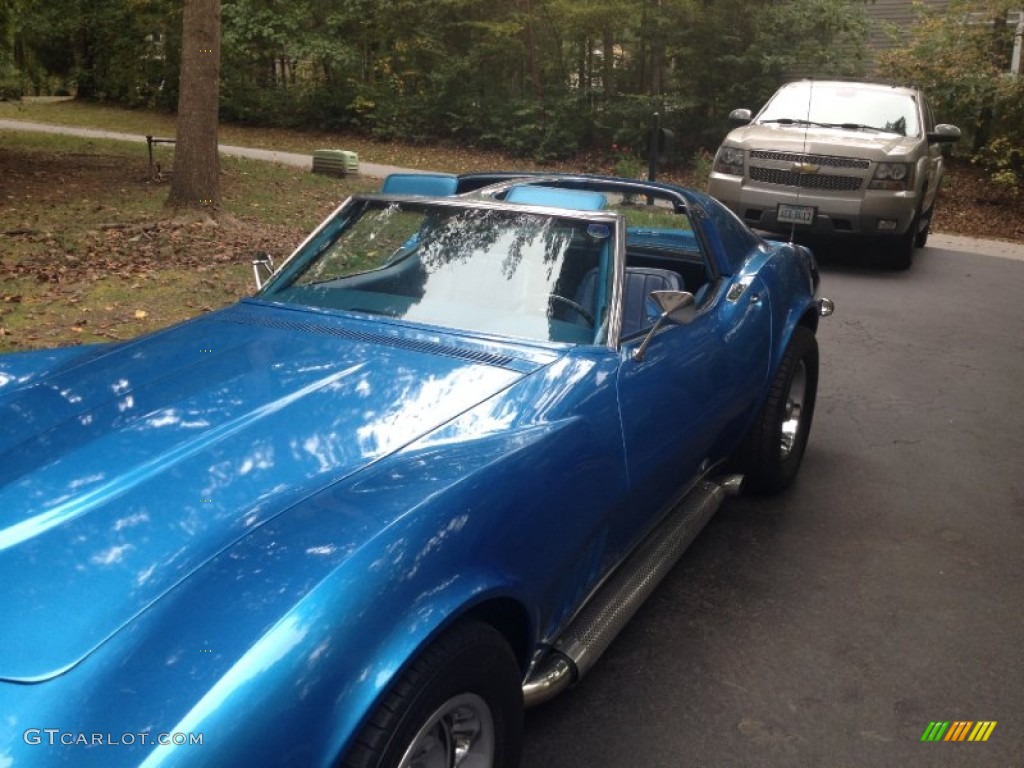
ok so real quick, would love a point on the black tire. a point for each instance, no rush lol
(772, 451)
(469, 672)
(901, 252)
(921, 239)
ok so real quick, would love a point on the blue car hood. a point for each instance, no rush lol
(125, 470)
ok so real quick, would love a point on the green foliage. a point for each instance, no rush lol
(960, 59)
(701, 165)
(537, 78)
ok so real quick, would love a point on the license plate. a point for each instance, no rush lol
(795, 214)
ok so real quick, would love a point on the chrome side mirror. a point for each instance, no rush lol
(676, 307)
(944, 133)
(740, 116)
(265, 262)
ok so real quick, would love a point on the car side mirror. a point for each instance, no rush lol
(740, 116)
(676, 307)
(263, 261)
(944, 133)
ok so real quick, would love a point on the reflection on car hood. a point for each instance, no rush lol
(812, 140)
(121, 475)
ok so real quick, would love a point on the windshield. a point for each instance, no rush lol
(495, 271)
(846, 106)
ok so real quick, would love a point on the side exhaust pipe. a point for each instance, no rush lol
(619, 598)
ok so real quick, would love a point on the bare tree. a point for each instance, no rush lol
(196, 179)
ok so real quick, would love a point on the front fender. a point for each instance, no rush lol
(276, 650)
(791, 277)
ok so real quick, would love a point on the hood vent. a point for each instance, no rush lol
(415, 345)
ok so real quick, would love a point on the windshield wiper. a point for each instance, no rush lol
(795, 121)
(844, 126)
(862, 127)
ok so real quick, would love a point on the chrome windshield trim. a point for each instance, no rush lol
(617, 299)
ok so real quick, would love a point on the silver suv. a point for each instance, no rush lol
(836, 158)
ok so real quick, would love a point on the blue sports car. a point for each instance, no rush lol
(419, 481)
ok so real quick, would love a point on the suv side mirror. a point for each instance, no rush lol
(740, 116)
(676, 307)
(944, 133)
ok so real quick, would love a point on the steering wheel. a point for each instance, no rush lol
(575, 305)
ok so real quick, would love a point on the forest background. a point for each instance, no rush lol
(544, 79)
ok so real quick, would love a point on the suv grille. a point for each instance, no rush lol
(805, 180)
(794, 157)
(781, 170)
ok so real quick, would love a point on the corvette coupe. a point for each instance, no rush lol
(417, 482)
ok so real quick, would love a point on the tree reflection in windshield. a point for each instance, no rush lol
(470, 268)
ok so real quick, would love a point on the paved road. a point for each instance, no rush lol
(285, 158)
(826, 628)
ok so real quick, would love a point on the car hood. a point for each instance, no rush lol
(823, 141)
(123, 472)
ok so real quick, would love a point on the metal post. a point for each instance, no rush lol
(652, 147)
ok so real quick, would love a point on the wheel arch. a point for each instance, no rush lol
(806, 317)
(506, 615)
(511, 619)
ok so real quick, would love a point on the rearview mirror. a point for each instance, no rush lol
(676, 307)
(263, 261)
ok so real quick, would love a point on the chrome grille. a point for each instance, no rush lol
(797, 157)
(806, 180)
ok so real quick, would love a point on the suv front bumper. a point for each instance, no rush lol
(864, 212)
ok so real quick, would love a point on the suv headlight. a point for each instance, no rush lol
(893, 176)
(729, 160)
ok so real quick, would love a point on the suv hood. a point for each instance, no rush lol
(123, 473)
(813, 140)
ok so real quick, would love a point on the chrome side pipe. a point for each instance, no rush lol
(619, 598)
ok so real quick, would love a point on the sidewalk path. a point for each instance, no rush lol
(998, 248)
(285, 158)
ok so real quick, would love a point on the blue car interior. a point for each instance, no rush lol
(639, 311)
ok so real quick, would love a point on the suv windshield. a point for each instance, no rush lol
(843, 106)
(500, 271)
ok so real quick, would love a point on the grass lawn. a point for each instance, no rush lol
(89, 253)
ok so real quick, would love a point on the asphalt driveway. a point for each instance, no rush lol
(828, 627)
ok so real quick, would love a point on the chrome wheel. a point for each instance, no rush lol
(459, 733)
(771, 453)
(794, 410)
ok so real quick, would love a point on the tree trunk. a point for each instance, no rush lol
(608, 64)
(195, 182)
(530, 41)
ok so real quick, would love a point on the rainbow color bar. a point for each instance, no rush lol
(958, 730)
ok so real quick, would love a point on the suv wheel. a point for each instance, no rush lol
(901, 251)
(922, 236)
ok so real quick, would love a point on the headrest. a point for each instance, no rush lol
(552, 197)
(425, 184)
